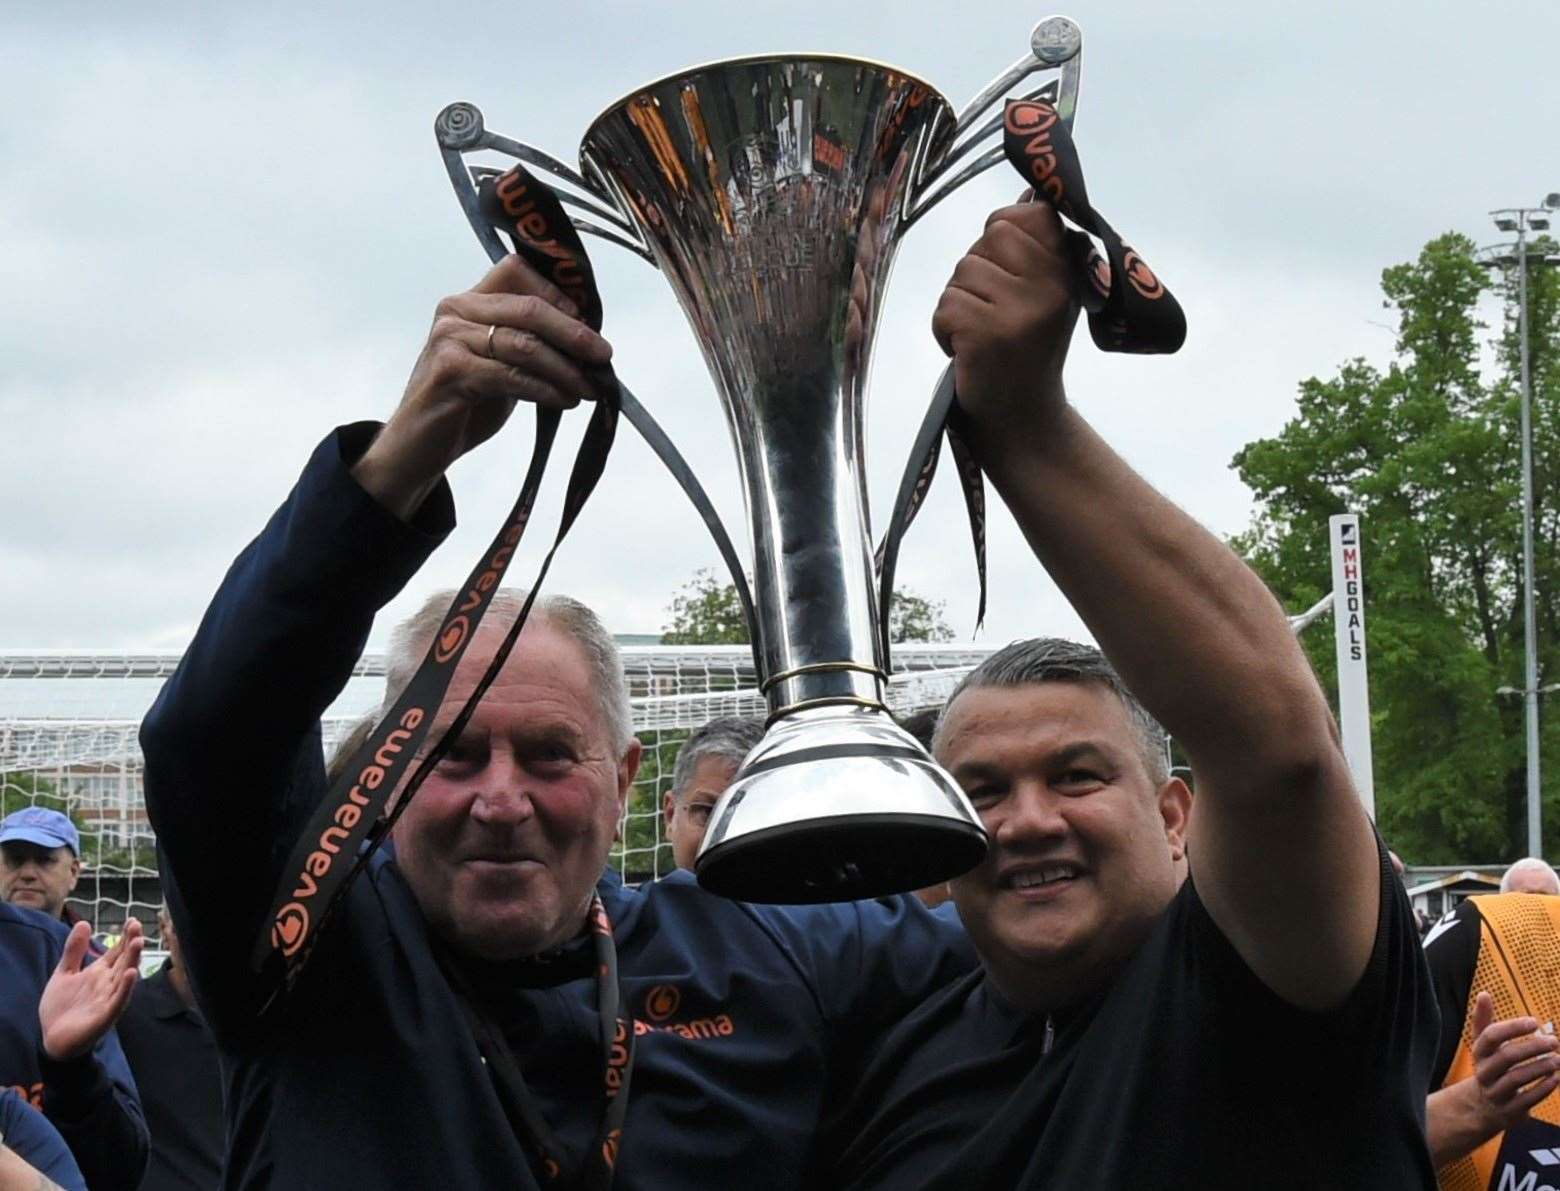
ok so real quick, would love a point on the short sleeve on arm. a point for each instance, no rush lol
(1392, 1003)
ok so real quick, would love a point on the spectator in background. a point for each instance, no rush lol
(57, 1043)
(1494, 1118)
(40, 862)
(922, 725)
(706, 763)
(1530, 875)
(33, 1155)
(174, 1059)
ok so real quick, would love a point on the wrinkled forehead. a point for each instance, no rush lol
(545, 666)
(1031, 721)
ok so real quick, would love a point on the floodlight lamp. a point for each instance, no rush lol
(1552, 201)
(1539, 222)
(1506, 224)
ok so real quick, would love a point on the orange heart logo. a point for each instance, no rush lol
(290, 929)
(451, 638)
(1142, 277)
(661, 1002)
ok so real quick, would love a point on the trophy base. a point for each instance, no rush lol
(834, 806)
(841, 858)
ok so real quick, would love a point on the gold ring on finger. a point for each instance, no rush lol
(491, 330)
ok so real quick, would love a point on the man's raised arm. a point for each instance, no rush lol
(232, 745)
(1282, 852)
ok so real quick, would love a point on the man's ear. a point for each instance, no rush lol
(628, 769)
(75, 872)
(668, 808)
(1175, 809)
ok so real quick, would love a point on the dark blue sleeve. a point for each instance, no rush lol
(93, 1103)
(232, 744)
(38, 1143)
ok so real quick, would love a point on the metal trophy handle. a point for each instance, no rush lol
(460, 130)
(1055, 44)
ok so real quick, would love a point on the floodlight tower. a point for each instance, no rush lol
(1521, 220)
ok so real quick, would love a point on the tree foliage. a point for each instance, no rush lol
(708, 612)
(1428, 452)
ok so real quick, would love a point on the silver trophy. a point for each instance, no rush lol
(772, 193)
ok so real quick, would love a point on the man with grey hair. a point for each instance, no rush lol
(459, 1024)
(706, 763)
(1169, 998)
(1530, 875)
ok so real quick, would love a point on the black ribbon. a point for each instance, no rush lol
(554, 1162)
(1129, 310)
(348, 826)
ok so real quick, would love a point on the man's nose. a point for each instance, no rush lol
(1033, 814)
(503, 791)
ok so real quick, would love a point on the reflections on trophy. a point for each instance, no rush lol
(772, 193)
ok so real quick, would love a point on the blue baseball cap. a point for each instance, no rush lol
(39, 825)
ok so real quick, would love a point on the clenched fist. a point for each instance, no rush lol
(1006, 318)
(512, 337)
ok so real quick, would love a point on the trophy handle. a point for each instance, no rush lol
(460, 130)
(1056, 43)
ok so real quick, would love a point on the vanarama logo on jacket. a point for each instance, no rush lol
(663, 1001)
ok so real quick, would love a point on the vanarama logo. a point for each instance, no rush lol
(661, 1002)
(1142, 277)
(451, 638)
(700, 1028)
(531, 224)
(457, 628)
(1031, 123)
(291, 926)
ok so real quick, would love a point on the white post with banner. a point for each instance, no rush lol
(1349, 627)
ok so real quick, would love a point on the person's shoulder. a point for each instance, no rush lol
(18, 922)
(1458, 926)
(148, 997)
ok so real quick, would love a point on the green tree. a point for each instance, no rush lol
(1427, 452)
(708, 612)
(915, 618)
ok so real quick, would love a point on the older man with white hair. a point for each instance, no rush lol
(459, 1025)
(1530, 875)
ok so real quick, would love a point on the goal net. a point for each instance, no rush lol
(68, 725)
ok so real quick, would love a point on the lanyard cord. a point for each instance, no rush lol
(556, 1164)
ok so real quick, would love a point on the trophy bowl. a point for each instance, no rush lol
(772, 192)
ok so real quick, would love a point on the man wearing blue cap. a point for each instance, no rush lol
(40, 861)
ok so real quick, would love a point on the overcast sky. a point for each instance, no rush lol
(223, 229)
